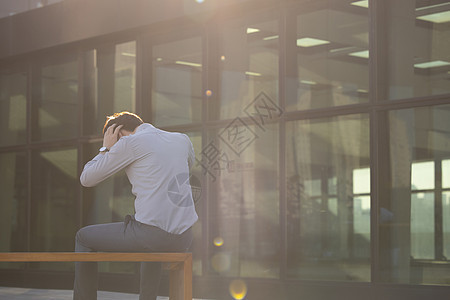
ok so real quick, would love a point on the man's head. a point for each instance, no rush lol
(129, 121)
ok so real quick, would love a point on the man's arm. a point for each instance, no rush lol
(107, 163)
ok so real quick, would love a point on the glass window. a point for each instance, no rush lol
(13, 108)
(418, 59)
(110, 84)
(13, 204)
(422, 175)
(125, 77)
(54, 201)
(328, 222)
(55, 109)
(177, 82)
(446, 206)
(109, 201)
(446, 174)
(330, 56)
(422, 226)
(248, 64)
(240, 166)
(446, 222)
(361, 210)
(416, 206)
(422, 210)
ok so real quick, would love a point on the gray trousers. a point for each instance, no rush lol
(127, 236)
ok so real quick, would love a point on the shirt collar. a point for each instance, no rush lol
(144, 126)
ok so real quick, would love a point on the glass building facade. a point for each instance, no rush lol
(321, 131)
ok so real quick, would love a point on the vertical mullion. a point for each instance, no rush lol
(140, 60)
(81, 103)
(210, 81)
(374, 195)
(30, 76)
(324, 198)
(438, 216)
(284, 32)
(378, 52)
(106, 77)
(144, 76)
(376, 95)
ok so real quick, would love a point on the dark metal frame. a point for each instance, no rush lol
(377, 108)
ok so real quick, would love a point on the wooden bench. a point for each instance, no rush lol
(180, 264)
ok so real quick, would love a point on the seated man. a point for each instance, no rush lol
(153, 159)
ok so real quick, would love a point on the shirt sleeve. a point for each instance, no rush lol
(105, 165)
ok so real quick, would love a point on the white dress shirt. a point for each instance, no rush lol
(157, 164)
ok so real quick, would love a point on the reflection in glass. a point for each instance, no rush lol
(54, 197)
(243, 203)
(125, 77)
(331, 55)
(177, 82)
(446, 222)
(361, 219)
(361, 181)
(110, 84)
(248, 64)
(361, 211)
(418, 61)
(13, 108)
(328, 224)
(446, 206)
(446, 174)
(422, 210)
(13, 204)
(422, 175)
(110, 200)
(56, 110)
(411, 240)
(422, 225)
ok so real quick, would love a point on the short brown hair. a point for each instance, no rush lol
(129, 121)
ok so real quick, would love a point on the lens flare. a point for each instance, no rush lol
(208, 93)
(221, 262)
(200, 11)
(218, 241)
(238, 289)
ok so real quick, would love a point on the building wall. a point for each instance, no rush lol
(70, 21)
(321, 132)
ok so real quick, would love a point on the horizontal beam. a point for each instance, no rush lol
(72, 21)
(92, 256)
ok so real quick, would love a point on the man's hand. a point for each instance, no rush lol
(112, 135)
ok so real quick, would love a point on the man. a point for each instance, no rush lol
(157, 164)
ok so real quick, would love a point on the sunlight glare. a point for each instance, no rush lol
(238, 289)
(218, 241)
(221, 262)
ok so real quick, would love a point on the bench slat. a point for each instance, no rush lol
(180, 264)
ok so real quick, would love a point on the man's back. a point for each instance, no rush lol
(160, 178)
(157, 164)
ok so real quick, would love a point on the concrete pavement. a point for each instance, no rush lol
(12, 293)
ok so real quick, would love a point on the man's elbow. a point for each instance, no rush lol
(84, 180)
